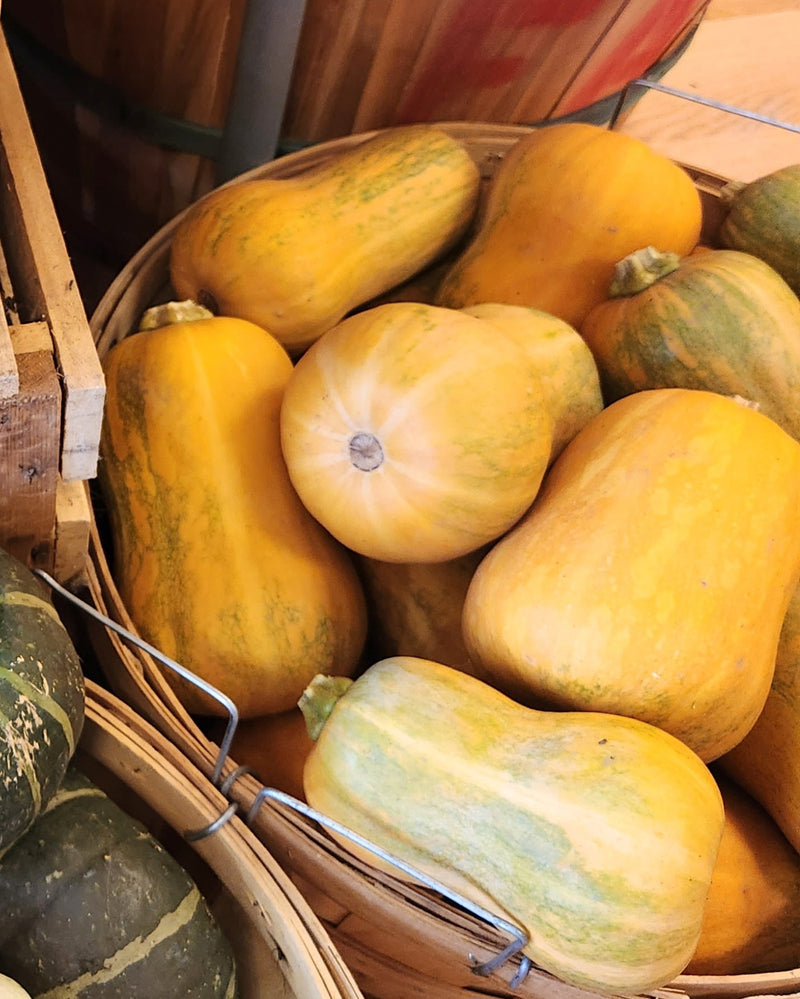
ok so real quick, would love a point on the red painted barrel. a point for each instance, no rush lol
(378, 63)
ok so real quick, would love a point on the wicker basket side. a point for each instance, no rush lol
(281, 948)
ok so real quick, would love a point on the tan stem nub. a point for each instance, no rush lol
(366, 452)
(641, 269)
(172, 312)
(319, 699)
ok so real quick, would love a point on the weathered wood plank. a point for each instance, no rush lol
(42, 274)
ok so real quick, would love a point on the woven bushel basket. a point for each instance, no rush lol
(400, 941)
(281, 948)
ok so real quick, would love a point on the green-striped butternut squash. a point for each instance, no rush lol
(652, 573)
(751, 923)
(566, 203)
(720, 320)
(93, 905)
(763, 218)
(765, 762)
(596, 834)
(295, 254)
(415, 433)
(42, 699)
(562, 360)
(218, 562)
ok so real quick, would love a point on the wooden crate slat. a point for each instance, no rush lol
(9, 375)
(45, 277)
(30, 430)
(73, 517)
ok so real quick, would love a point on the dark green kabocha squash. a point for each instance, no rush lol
(93, 907)
(42, 699)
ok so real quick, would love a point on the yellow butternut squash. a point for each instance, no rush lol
(652, 573)
(218, 562)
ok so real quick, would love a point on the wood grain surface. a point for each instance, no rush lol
(744, 54)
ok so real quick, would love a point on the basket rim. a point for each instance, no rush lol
(156, 770)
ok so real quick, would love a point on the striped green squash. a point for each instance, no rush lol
(764, 219)
(41, 699)
(595, 833)
(719, 320)
(94, 906)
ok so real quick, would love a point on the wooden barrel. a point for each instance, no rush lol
(398, 939)
(129, 101)
(513, 61)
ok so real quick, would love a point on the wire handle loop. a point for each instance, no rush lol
(133, 639)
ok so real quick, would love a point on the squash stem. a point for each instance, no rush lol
(319, 699)
(172, 312)
(641, 269)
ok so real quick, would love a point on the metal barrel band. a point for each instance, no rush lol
(519, 937)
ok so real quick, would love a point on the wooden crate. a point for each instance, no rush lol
(51, 381)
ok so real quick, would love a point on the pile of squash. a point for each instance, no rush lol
(481, 499)
(90, 901)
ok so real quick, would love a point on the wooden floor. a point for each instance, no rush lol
(745, 53)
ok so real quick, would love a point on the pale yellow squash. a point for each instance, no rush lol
(415, 433)
(597, 834)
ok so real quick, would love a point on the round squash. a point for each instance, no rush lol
(763, 218)
(719, 320)
(672, 514)
(42, 699)
(218, 563)
(295, 254)
(94, 905)
(565, 204)
(561, 358)
(750, 924)
(415, 433)
(596, 834)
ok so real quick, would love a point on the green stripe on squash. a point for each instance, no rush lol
(94, 906)
(42, 699)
